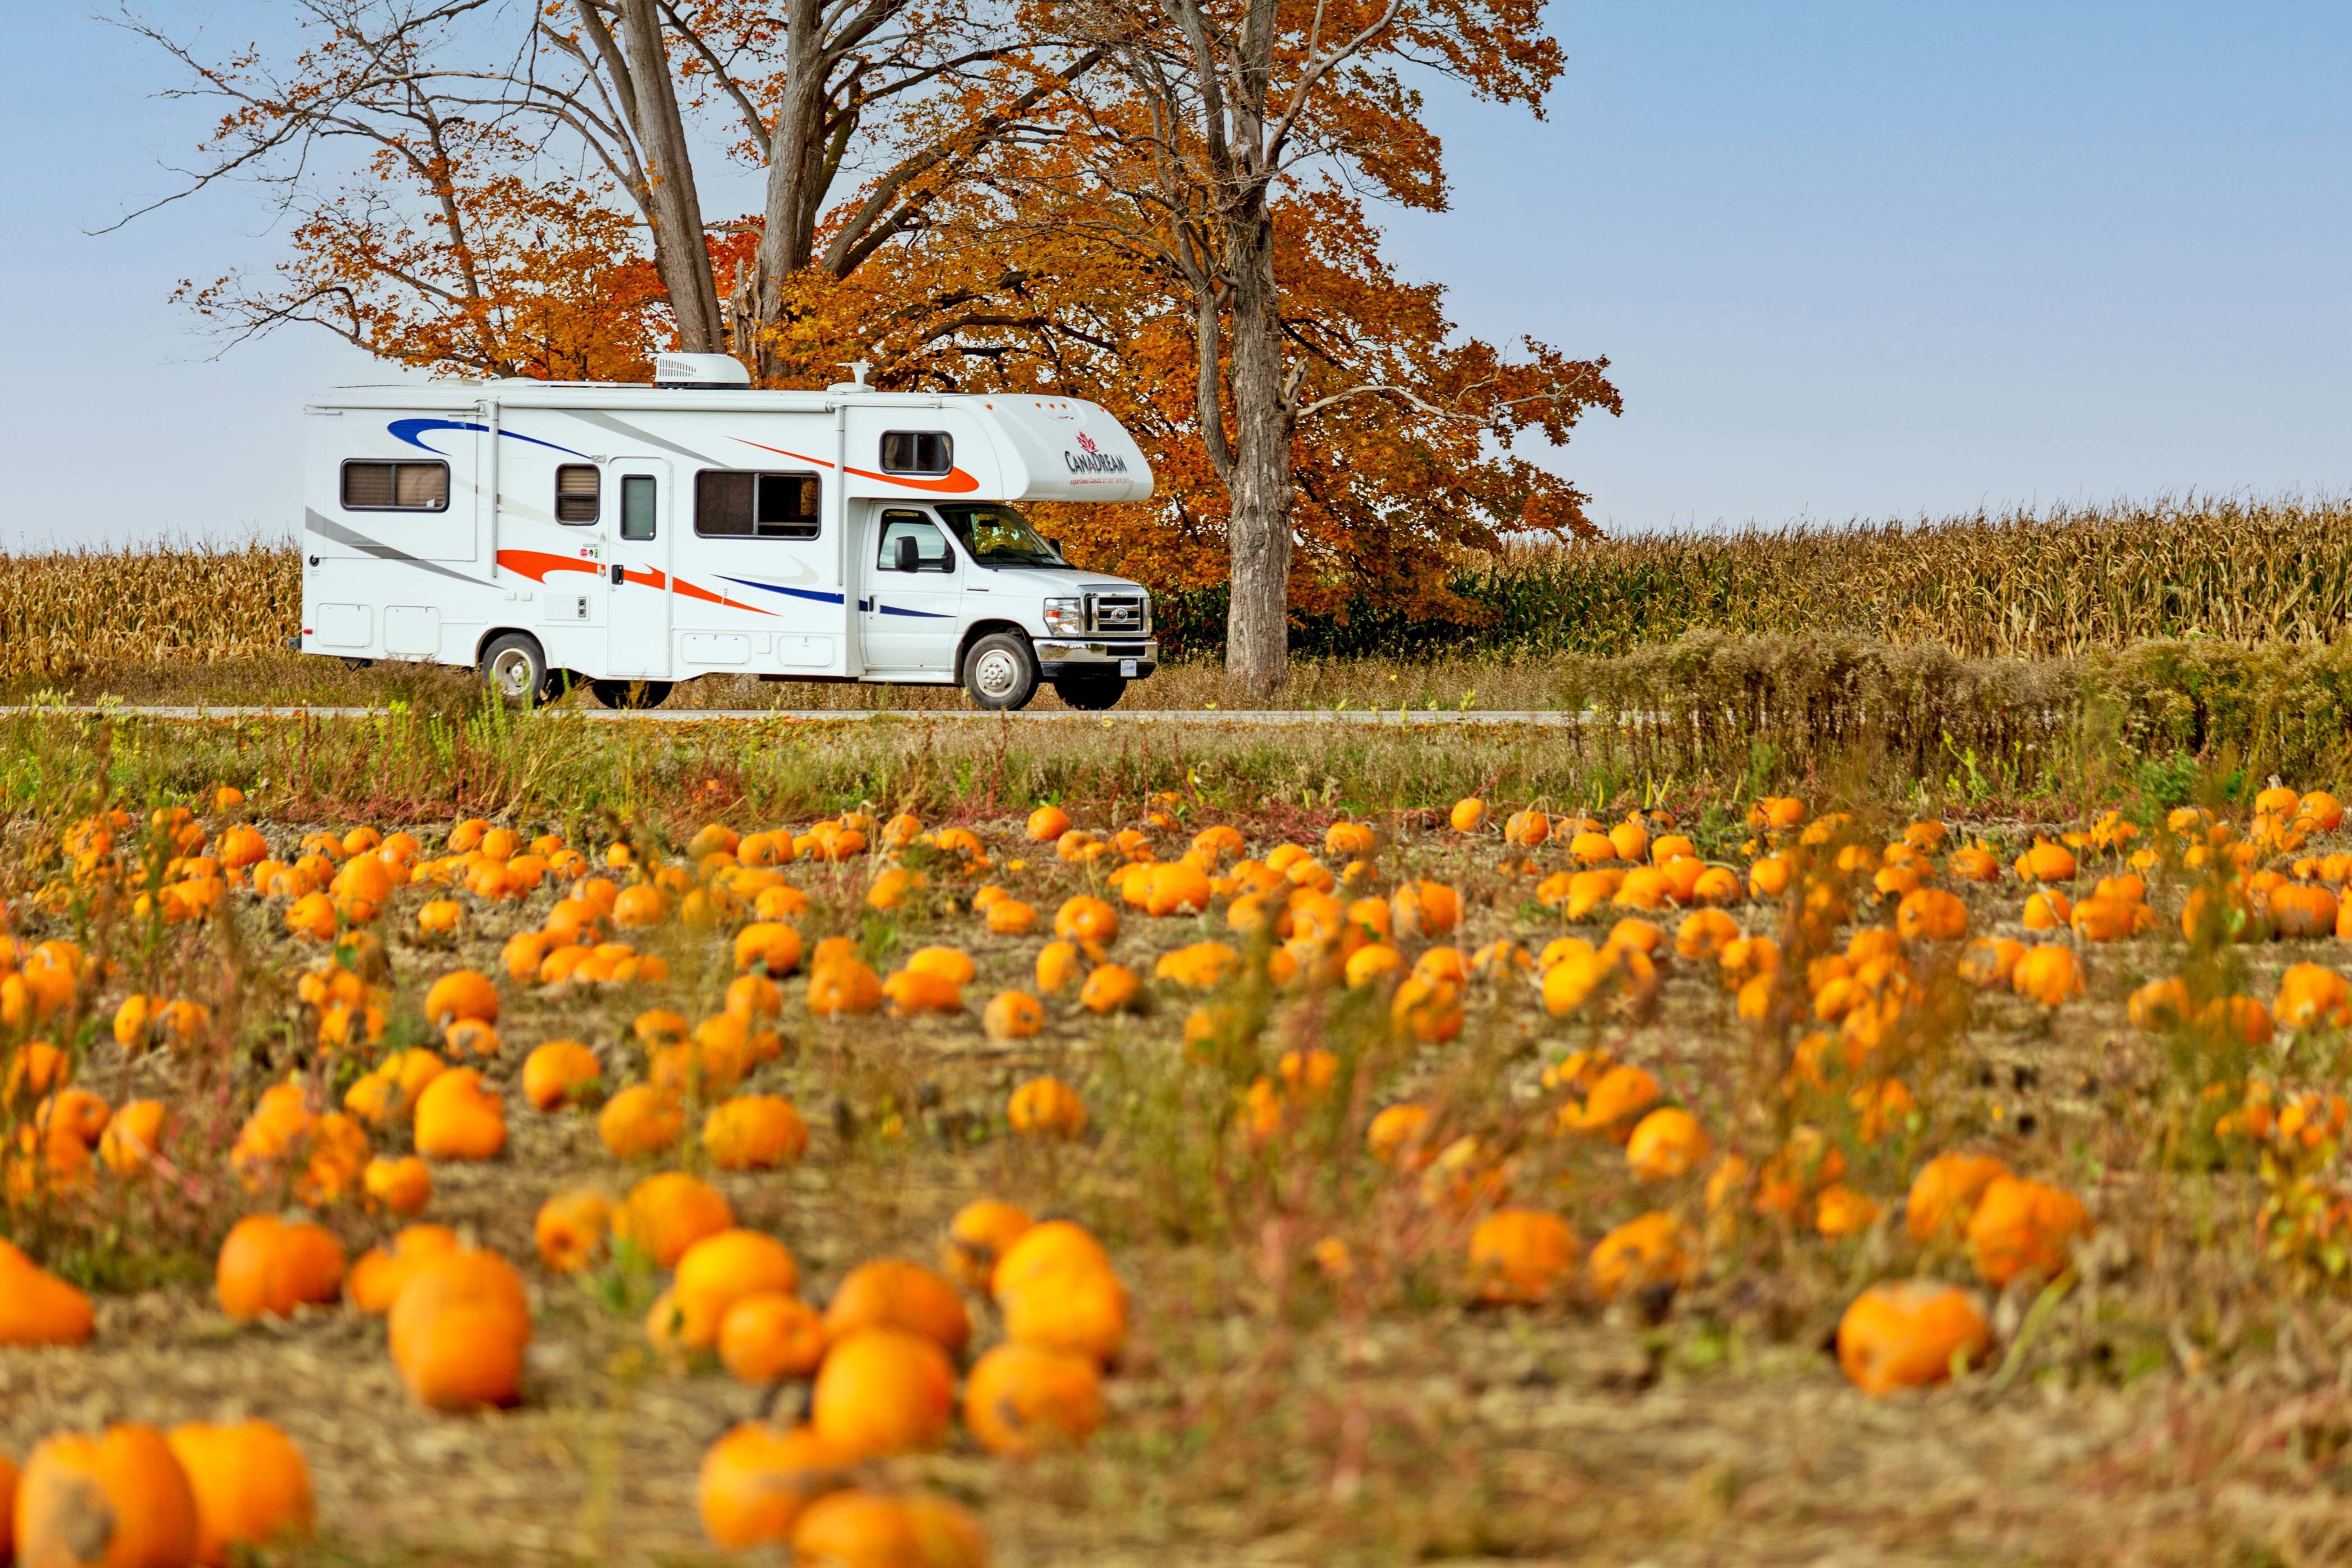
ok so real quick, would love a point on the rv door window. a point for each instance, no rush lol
(931, 554)
(636, 506)
(737, 505)
(929, 452)
(395, 486)
(579, 489)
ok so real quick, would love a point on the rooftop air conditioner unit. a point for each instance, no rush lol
(701, 373)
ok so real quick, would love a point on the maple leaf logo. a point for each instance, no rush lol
(1087, 443)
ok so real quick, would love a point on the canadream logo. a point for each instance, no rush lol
(1092, 459)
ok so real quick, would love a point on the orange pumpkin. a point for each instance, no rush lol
(883, 1390)
(892, 1292)
(402, 1186)
(250, 1484)
(1946, 1192)
(756, 1480)
(721, 1270)
(846, 985)
(133, 1134)
(2050, 975)
(1047, 824)
(770, 1335)
(978, 1235)
(1612, 1106)
(570, 1230)
(459, 1117)
(458, 1330)
(668, 1212)
(1111, 988)
(754, 1132)
(1520, 1255)
(269, 1267)
(1023, 1399)
(641, 1119)
(1655, 1249)
(2311, 995)
(2022, 1224)
(36, 1308)
(770, 947)
(119, 1500)
(461, 993)
(1666, 1143)
(1046, 1107)
(1056, 1247)
(1080, 1308)
(1908, 1334)
(1086, 918)
(561, 1072)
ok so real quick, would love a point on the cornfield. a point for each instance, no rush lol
(2017, 585)
(171, 604)
(2053, 585)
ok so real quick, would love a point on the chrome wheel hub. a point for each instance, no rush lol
(510, 673)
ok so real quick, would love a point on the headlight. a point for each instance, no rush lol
(1066, 618)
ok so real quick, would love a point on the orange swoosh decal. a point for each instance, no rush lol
(956, 483)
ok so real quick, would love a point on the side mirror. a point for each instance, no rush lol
(1055, 546)
(909, 557)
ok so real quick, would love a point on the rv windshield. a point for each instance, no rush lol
(998, 536)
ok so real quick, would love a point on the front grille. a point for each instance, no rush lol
(1118, 614)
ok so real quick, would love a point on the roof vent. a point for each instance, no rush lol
(701, 373)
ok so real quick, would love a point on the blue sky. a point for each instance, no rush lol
(1849, 259)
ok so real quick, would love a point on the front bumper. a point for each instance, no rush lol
(1089, 656)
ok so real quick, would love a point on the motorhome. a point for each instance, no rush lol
(630, 537)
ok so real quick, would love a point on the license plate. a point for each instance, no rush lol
(1127, 668)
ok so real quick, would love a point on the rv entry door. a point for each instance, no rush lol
(638, 591)
(914, 594)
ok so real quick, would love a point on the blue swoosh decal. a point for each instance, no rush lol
(920, 615)
(821, 599)
(408, 430)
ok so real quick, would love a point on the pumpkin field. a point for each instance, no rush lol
(493, 1138)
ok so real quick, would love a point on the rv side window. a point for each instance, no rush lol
(929, 452)
(395, 486)
(733, 505)
(578, 489)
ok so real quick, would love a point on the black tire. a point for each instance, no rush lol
(1000, 672)
(630, 693)
(514, 668)
(1090, 693)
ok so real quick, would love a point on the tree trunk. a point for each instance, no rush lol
(681, 255)
(795, 176)
(1257, 614)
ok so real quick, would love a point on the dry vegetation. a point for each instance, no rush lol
(1323, 1360)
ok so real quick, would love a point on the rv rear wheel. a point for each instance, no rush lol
(1092, 693)
(1000, 671)
(515, 669)
(630, 693)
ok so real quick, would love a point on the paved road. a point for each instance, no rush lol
(1360, 716)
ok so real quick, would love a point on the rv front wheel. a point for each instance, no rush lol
(515, 669)
(1000, 671)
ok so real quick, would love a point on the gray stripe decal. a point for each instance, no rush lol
(328, 529)
(623, 427)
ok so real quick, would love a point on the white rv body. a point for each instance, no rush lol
(432, 530)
